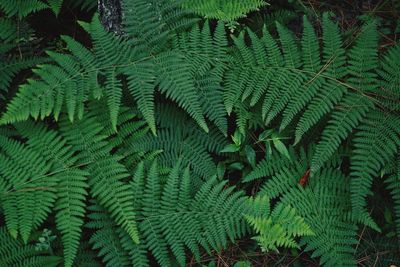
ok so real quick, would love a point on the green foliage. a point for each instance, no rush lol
(58, 168)
(21, 8)
(13, 36)
(10, 66)
(171, 141)
(106, 238)
(310, 88)
(394, 186)
(55, 5)
(28, 192)
(84, 74)
(72, 183)
(14, 253)
(227, 11)
(307, 86)
(376, 145)
(276, 228)
(178, 137)
(106, 174)
(172, 217)
(324, 203)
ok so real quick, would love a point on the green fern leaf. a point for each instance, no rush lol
(55, 6)
(32, 187)
(390, 79)
(105, 171)
(106, 238)
(348, 115)
(222, 10)
(177, 84)
(393, 184)
(277, 228)
(13, 253)
(207, 55)
(173, 218)
(375, 145)
(70, 204)
(21, 8)
(141, 79)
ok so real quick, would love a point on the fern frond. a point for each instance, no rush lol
(222, 10)
(355, 105)
(363, 59)
(113, 88)
(38, 98)
(291, 59)
(207, 55)
(13, 253)
(323, 89)
(106, 174)
(31, 193)
(375, 145)
(177, 84)
(324, 205)
(393, 183)
(344, 119)
(269, 166)
(211, 100)
(150, 24)
(110, 52)
(334, 57)
(310, 48)
(71, 194)
(278, 228)
(86, 257)
(291, 53)
(175, 138)
(141, 78)
(55, 5)
(100, 72)
(283, 16)
(284, 180)
(175, 219)
(137, 252)
(70, 81)
(389, 79)
(8, 33)
(10, 67)
(106, 239)
(318, 107)
(324, 201)
(21, 8)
